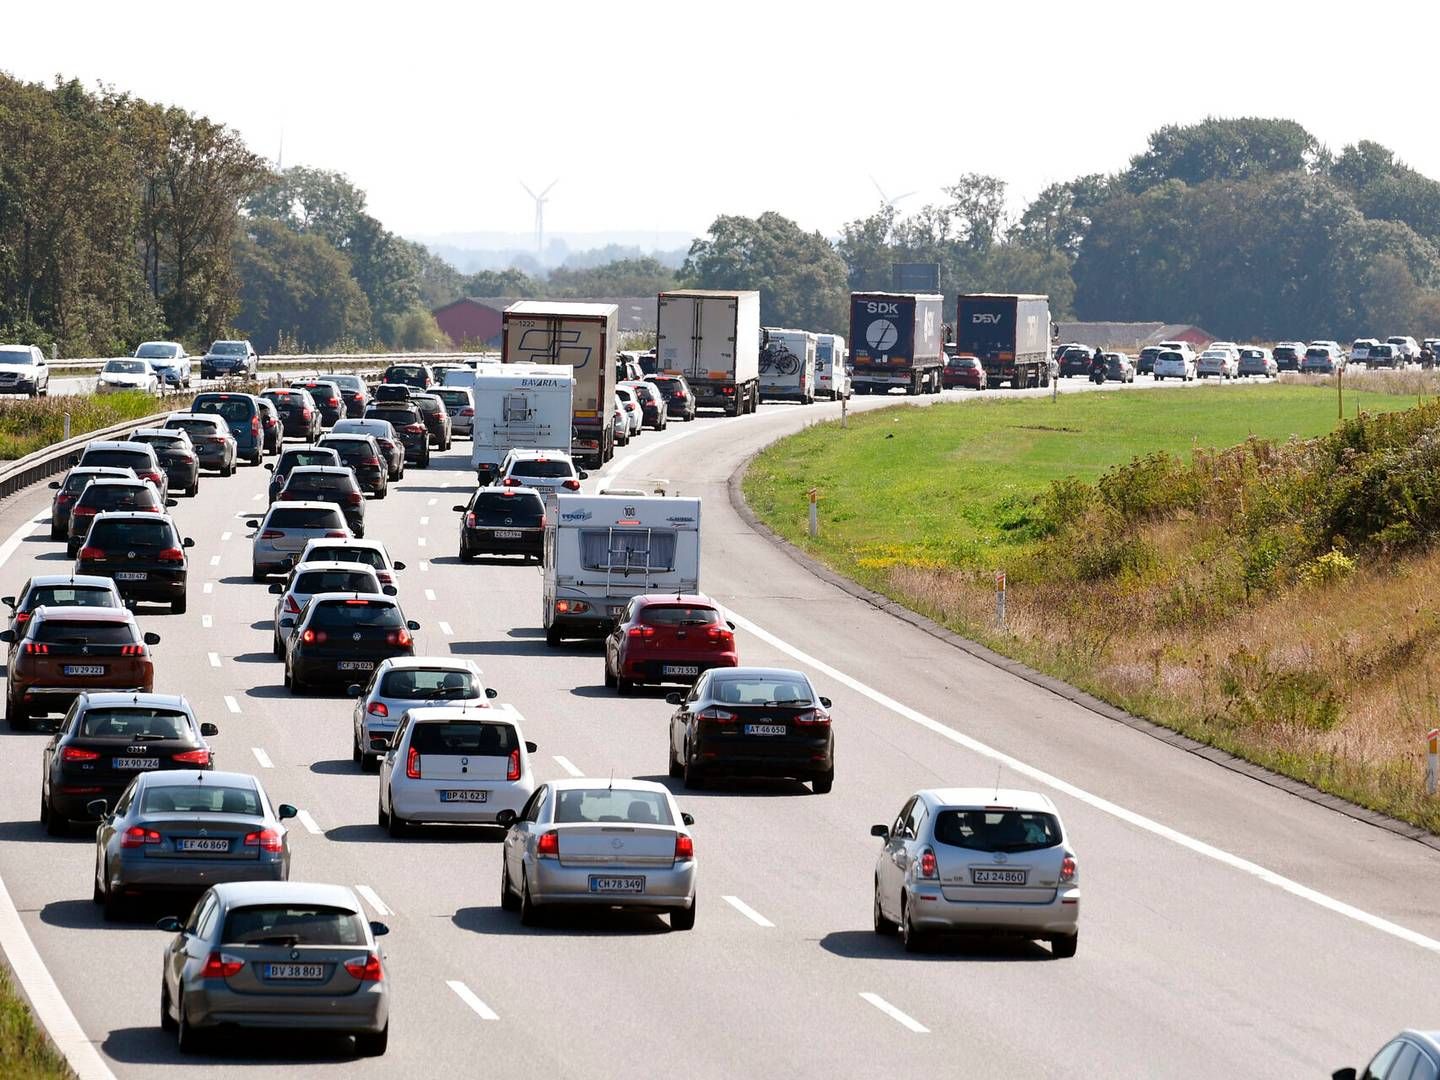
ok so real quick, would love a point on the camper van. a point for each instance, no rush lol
(600, 550)
(787, 366)
(831, 379)
(517, 407)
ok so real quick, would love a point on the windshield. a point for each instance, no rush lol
(228, 348)
(69, 596)
(132, 534)
(318, 581)
(293, 924)
(83, 632)
(201, 799)
(471, 738)
(132, 722)
(612, 805)
(787, 688)
(158, 350)
(16, 356)
(416, 684)
(304, 517)
(996, 830)
(125, 367)
(355, 614)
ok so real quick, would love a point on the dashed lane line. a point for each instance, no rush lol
(568, 765)
(309, 822)
(209, 587)
(429, 594)
(904, 1019)
(446, 629)
(207, 622)
(232, 704)
(467, 995)
(226, 536)
(214, 560)
(372, 898)
(214, 659)
(748, 911)
(262, 757)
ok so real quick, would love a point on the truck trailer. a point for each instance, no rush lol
(1009, 334)
(517, 407)
(787, 365)
(897, 339)
(584, 338)
(713, 339)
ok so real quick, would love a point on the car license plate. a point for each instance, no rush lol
(131, 575)
(355, 665)
(616, 609)
(507, 534)
(465, 796)
(680, 669)
(617, 884)
(84, 669)
(997, 877)
(764, 729)
(294, 971)
(195, 844)
(136, 762)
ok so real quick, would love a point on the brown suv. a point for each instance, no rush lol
(64, 651)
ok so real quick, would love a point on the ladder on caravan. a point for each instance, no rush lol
(627, 554)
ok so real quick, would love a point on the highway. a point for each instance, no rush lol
(1228, 928)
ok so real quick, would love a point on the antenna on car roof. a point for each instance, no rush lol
(998, 766)
(611, 786)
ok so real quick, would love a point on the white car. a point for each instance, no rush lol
(621, 421)
(307, 579)
(455, 765)
(1360, 349)
(1407, 347)
(634, 417)
(1219, 362)
(23, 370)
(1182, 347)
(349, 549)
(170, 361)
(1173, 364)
(460, 404)
(132, 374)
(547, 471)
(410, 682)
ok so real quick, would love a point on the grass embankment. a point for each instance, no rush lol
(1279, 599)
(25, 1054)
(27, 425)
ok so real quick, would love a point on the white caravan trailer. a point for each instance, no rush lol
(600, 550)
(831, 379)
(517, 407)
(787, 366)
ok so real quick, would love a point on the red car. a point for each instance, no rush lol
(667, 639)
(963, 371)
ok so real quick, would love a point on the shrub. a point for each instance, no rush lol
(1258, 695)
(1328, 568)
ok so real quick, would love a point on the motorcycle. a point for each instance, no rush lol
(1099, 371)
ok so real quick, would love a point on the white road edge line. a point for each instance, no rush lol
(232, 704)
(429, 594)
(904, 1019)
(207, 622)
(209, 587)
(373, 899)
(1200, 847)
(214, 659)
(465, 994)
(309, 822)
(262, 757)
(748, 911)
(225, 536)
(568, 765)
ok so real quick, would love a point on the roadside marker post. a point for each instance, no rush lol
(67, 428)
(1432, 762)
(844, 401)
(814, 494)
(1000, 599)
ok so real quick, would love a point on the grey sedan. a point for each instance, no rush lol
(281, 954)
(181, 831)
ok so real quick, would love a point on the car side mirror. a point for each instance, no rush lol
(8, 601)
(55, 485)
(688, 819)
(882, 831)
(171, 924)
(172, 502)
(7, 635)
(505, 818)
(389, 590)
(252, 524)
(152, 638)
(582, 474)
(209, 729)
(277, 589)
(378, 929)
(825, 701)
(1347, 1073)
(399, 566)
(730, 624)
(459, 508)
(285, 812)
(188, 542)
(353, 690)
(97, 808)
(674, 699)
(286, 623)
(75, 460)
(413, 625)
(491, 693)
(269, 466)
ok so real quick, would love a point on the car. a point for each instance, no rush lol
(1228, 347)
(143, 552)
(409, 428)
(454, 765)
(299, 415)
(1322, 358)
(383, 432)
(110, 493)
(459, 403)
(276, 954)
(105, 741)
(64, 651)
(437, 420)
(439, 371)
(139, 458)
(1383, 355)
(634, 416)
(24, 370)
(400, 392)
(327, 397)
(1173, 364)
(170, 361)
(613, 843)
(296, 456)
(353, 391)
(1360, 349)
(620, 421)
(121, 375)
(1182, 347)
(1119, 368)
(214, 443)
(59, 590)
(1076, 360)
(1145, 361)
(371, 553)
(338, 636)
(1407, 348)
(653, 411)
(327, 483)
(1288, 355)
(679, 398)
(284, 531)
(174, 831)
(667, 639)
(176, 454)
(307, 579)
(1411, 1055)
(977, 860)
(409, 682)
(547, 471)
(417, 375)
(68, 491)
(271, 430)
(363, 457)
(242, 413)
(752, 722)
(1429, 349)
(963, 370)
(507, 521)
(1256, 360)
(234, 358)
(1219, 362)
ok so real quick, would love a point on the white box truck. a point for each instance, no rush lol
(712, 338)
(600, 550)
(832, 379)
(787, 365)
(585, 338)
(517, 407)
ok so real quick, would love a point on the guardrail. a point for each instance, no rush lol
(55, 458)
(302, 359)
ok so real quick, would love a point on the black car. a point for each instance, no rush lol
(679, 399)
(139, 458)
(289, 459)
(502, 521)
(436, 417)
(1076, 360)
(752, 722)
(1145, 364)
(1288, 357)
(271, 429)
(409, 428)
(361, 455)
(108, 738)
(391, 448)
(417, 375)
(177, 455)
(299, 415)
(340, 637)
(326, 396)
(394, 392)
(328, 483)
(654, 411)
(142, 553)
(58, 590)
(103, 496)
(67, 493)
(352, 390)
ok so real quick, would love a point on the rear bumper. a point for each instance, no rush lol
(43, 699)
(158, 585)
(801, 759)
(212, 1003)
(72, 807)
(666, 888)
(483, 542)
(593, 625)
(653, 670)
(931, 911)
(419, 800)
(327, 669)
(184, 875)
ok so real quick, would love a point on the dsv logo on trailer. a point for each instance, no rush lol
(984, 318)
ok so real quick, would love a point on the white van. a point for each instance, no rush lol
(517, 407)
(787, 366)
(600, 550)
(831, 379)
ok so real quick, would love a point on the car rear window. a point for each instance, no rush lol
(610, 805)
(69, 596)
(132, 534)
(398, 417)
(201, 799)
(345, 614)
(292, 924)
(119, 497)
(317, 581)
(161, 442)
(545, 469)
(292, 458)
(319, 482)
(453, 397)
(676, 615)
(763, 690)
(1171, 357)
(321, 391)
(472, 738)
(196, 427)
(1317, 354)
(364, 555)
(417, 684)
(304, 517)
(132, 722)
(348, 382)
(996, 830)
(85, 632)
(120, 459)
(232, 409)
(1284, 352)
(494, 508)
(348, 447)
(79, 482)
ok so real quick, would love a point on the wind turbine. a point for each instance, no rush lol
(886, 199)
(540, 201)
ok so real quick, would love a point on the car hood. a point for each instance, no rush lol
(122, 376)
(23, 369)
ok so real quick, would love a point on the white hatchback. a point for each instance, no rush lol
(1173, 364)
(549, 472)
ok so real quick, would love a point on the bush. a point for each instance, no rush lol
(1258, 695)
(417, 330)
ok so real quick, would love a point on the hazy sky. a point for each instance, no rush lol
(659, 116)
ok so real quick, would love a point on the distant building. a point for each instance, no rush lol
(477, 318)
(1130, 335)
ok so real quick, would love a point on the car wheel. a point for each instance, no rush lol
(297, 685)
(398, 825)
(113, 904)
(258, 574)
(17, 717)
(914, 940)
(167, 1022)
(684, 918)
(382, 817)
(821, 785)
(56, 533)
(189, 1040)
(177, 607)
(424, 462)
(373, 1044)
(677, 770)
(1064, 946)
(609, 675)
(694, 778)
(529, 910)
(508, 900)
(552, 636)
(277, 647)
(356, 754)
(883, 926)
(55, 824)
(623, 686)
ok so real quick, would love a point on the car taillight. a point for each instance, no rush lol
(338, 534)
(679, 395)
(645, 632)
(354, 498)
(288, 496)
(418, 429)
(813, 716)
(265, 840)
(384, 576)
(216, 439)
(254, 425)
(719, 635)
(378, 708)
(219, 966)
(21, 618)
(75, 753)
(370, 461)
(467, 411)
(334, 401)
(928, 866)
(512, 771)
(470, 520)
(367, 969)
(154, 477)
(510, 481)
(399, 637)
(138, 836)
(132, 650)
(719, 716)
(92, 553)
(684, 847)
(314, 637)
(1068, 868)
(412, 764)
(64, 497)
(171, 554)
(571, 485)
(272, 534)
(572, 607)
(34, 648)
(194, 757)
(305, 413)
(727, 391)
(548, 844)
(85, 511)
(269, 422)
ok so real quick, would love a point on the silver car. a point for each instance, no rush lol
(282, 954)
(409, 682)
(285, 530)
(1411, 1055)
(611, 843)
(977, 860)
(460, 404)
(307, 579)
(179, 831)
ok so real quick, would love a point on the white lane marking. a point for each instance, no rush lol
(262, 757)
(15, 539)
(748, 911)
(309, 822)
(206, 621)
(429, 594)
(232, 704)
(373, 899)
(45, 997)
(432, 502)
(445, 629)
(214, 560)
(226, 536)
(468, 996)
(420, 541)
(568, 765)
(424, 565)
(1200, 847)
(424, 521)
(255, 497)
(444, 484)
(214, 659)
(634, 456)
(209, 587)
(895, 1014)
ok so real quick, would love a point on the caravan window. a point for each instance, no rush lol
(622, 550)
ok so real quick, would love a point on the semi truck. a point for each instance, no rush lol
(517, 407)
(584, 338)
(897, 339)
(712, 337)
(1009, 333)
(787, 365)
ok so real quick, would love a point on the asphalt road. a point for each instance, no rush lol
(1229, 929)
